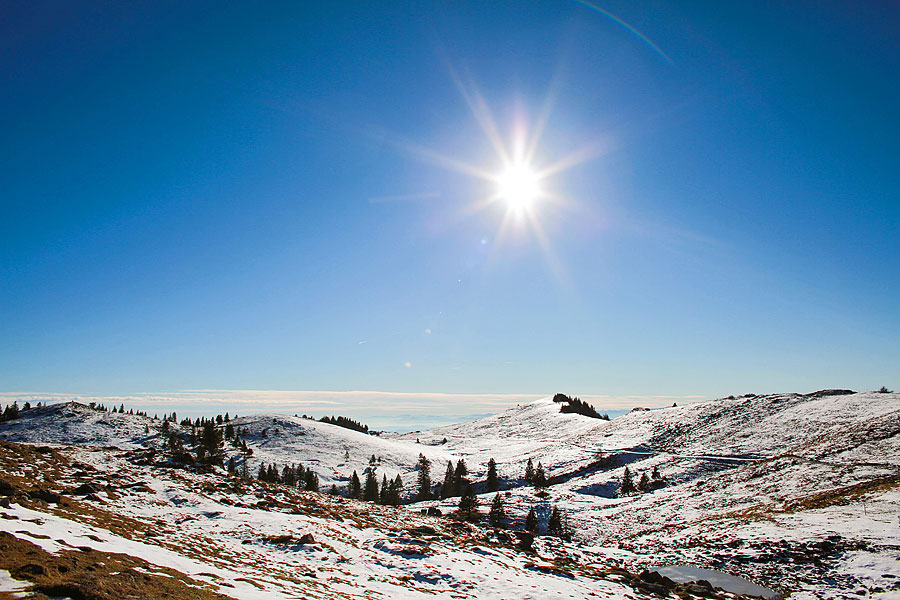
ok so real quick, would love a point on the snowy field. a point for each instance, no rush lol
(797, 493)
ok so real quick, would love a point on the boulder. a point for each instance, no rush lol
(86, 488)
(45, 495)
(7, 489)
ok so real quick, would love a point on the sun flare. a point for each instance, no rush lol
(518, 186)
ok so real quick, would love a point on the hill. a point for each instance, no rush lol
(797, 492)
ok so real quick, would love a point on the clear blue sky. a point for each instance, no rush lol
(246, 196)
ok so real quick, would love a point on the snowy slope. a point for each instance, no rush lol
(795, 492)
(258, 542)
(325, 449)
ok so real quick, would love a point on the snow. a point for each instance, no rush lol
(12, 586)
(744, 477)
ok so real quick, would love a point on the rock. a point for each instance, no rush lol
(45, 495)
(306, 538)
(85, 488)
(434, 512)
(6, 488)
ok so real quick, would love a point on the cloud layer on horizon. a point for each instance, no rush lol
(383, 405)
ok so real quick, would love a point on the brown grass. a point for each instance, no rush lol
(85, 574)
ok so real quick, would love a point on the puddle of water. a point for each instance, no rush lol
(730, 583)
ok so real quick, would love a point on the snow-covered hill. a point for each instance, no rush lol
(796, 492)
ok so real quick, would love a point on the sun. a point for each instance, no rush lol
(519, 186)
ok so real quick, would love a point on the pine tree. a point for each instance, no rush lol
(231, 466)
(334, 490)
(529, 471)
(468, 503)
(531, 521)
(383, 495)
(460, 472)
(448, 489)
(497, 514)
(492, 482)
(312, 481)
(656, 474)
(354, 489)
(211, 448)
(644, 483)
(263, 474)
(555, 525)
(370, 492)
(627, 484)
(396, 494)
(539, 480)
(288, 476)
(423, 478)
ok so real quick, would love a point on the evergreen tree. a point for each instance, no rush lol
(229, 431)
(11, 412)
(531, 521)
(493, 484)
(288, 476)
(383, 495)
(334, 490)
(656, 475)
(263, 474)
(448, 489)
(468, 503)
(539, 480)
(557, 524)
(245, 470)
(627, 484)
(231, 466)
(354, 488)
(396, 494)
(529, 471)
(211, 447)
(644, 483)
(312, 481)
(423, 478)
(460, 472)
(497, 514)
(370, 492)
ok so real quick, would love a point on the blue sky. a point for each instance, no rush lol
(243, 197)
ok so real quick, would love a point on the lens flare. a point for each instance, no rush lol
(518, 186)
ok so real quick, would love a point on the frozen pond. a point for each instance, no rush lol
(730, 583)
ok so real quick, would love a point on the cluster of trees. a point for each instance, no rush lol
(116, 409)
(346, 423)
(578, 406)
(290, 475)
(11, 412)
(456, 482)
(645, 483)
(390, 492)
(557, 524)
(535, 475)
